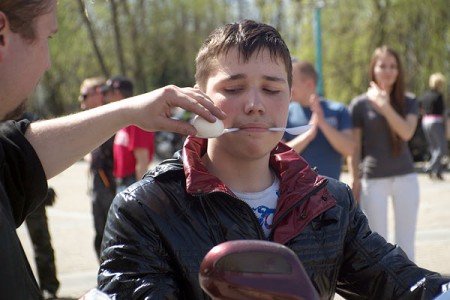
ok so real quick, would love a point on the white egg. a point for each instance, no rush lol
(206, 129)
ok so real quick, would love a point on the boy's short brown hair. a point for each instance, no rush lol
(247, 36)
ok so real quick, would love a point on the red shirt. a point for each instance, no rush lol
(125, 142)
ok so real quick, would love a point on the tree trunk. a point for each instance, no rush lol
(117, 37)
(93, 37)
(132, 20)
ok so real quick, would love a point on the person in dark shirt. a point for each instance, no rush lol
(37, 225)
(433, 124)
(32, 153)
(102, 187)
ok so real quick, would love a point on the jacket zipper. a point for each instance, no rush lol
(315, 190)
(261, 234)
(255, 221)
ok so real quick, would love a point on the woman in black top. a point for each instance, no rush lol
(433, 124)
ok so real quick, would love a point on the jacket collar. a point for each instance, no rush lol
(296, 177)
(302, 193)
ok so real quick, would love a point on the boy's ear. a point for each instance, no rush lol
(4, 28)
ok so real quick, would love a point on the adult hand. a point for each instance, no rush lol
(317, 112)
(152, 111)
(378, 97)
(62, 141)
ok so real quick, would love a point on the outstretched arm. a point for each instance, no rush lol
(62, 141)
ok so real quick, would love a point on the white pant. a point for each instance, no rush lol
(404, 191)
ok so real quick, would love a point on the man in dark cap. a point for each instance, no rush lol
(133, 147)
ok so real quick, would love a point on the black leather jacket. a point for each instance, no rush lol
(160, 228)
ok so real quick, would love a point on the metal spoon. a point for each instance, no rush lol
(292, 130)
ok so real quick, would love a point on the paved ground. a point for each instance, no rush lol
(72, 232)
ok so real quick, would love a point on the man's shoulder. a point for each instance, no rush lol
(359, 99)
(333, 105)
(167, 175)
(153, 193)
(294, 105)
(340, 191)
(337, 110)
(336, 183)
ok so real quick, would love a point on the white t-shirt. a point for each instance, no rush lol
(263, 204)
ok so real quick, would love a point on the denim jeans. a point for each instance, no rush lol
(437, 143)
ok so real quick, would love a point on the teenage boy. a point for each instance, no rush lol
(247, 185)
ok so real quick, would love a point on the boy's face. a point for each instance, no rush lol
(255, 96)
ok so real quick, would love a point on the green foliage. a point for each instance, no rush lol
(352, 29)
(155, 42)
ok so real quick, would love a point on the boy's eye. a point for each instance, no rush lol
(271, 91)
(232, 90)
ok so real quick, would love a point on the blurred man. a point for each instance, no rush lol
(133, 147)
(91, 93)
(103, 185)
(330, 138)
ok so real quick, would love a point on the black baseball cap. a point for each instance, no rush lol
(118, 82)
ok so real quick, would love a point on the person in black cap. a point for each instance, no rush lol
(133, 147)
(117, 88)
(102, 185)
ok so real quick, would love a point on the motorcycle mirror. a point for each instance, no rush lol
(253, 269)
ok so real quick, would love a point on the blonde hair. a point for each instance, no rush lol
(437, 82)
(91, 83)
